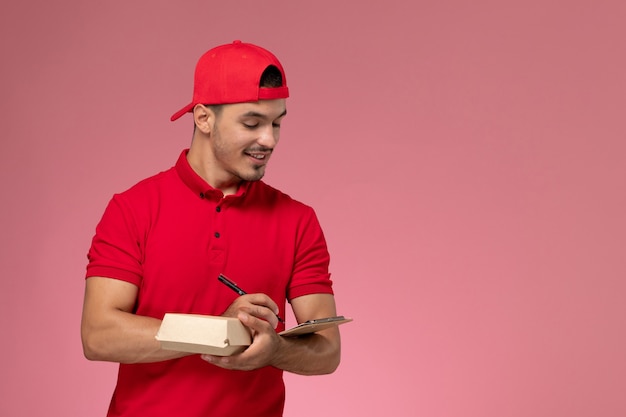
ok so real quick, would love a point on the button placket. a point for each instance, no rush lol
(218, 210)
(215, 210)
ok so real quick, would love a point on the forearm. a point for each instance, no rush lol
(125, 338)
(111, 332)
(314, 354)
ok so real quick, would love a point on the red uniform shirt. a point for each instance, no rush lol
(172, 235)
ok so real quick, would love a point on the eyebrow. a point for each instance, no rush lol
(261, 115)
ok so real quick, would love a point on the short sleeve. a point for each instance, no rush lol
(117, 249)
(310, 273)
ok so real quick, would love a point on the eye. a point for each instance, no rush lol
(251, 126)
(276, 125)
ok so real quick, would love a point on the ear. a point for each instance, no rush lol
(204, 118)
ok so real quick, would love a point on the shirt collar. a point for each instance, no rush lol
(198, 185)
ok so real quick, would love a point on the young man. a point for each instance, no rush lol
(161, 245)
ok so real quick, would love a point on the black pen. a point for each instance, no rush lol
(238, 290)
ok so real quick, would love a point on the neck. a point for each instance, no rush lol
(201, 160)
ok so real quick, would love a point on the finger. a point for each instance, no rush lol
(261, 306)
(263, 300)
(262, 313)
(255, 324)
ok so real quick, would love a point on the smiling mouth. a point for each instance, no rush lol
(259, 155)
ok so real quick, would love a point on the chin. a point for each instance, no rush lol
(253, 176)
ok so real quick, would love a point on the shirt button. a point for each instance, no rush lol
(218, 209)
(202, 195)
(217, 234)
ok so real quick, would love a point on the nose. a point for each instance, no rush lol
(269, 136)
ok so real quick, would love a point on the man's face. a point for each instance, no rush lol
(244, 136)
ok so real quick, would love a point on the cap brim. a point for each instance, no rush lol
(182, 111)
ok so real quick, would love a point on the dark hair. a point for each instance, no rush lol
(271, 77)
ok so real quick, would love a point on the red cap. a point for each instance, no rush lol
(231, 73)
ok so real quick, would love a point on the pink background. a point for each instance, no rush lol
(466, 159)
